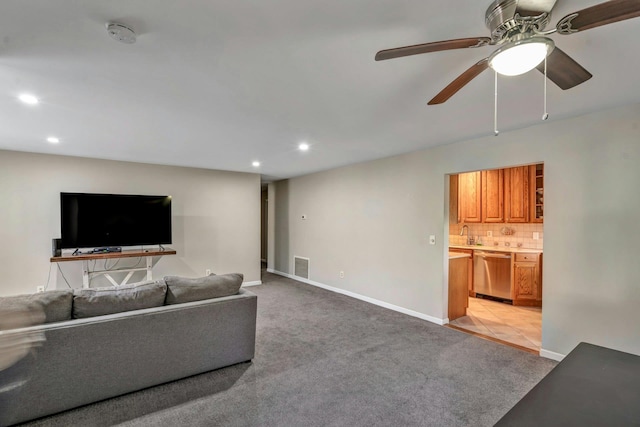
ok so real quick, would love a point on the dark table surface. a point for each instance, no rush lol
(592, 386)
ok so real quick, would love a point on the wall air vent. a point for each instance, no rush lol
(301, 267)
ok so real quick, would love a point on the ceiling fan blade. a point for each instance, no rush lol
(563, 70)
(600, 14)
(432, 47)
(460, 82)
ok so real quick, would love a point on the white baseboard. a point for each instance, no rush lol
(271, 270)
(552, 355)
(254, 283)
(364, 298)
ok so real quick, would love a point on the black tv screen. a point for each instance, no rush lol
(99, 220)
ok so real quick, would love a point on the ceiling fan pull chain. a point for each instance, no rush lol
(495, 107)
(545, 116)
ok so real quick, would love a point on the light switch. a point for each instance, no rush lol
(432, 239)
(304, 216)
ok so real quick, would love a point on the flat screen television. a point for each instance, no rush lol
(108, 220)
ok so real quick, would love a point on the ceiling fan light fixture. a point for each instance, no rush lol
(520, 56)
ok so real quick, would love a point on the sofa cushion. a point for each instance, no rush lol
(116, 299)
(184, 289)
(56, 305)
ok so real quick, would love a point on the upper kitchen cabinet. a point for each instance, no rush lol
(516, 194)
(536, 192)
(469, 197)
(493, 195)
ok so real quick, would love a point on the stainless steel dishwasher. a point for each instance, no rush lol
(492, 274)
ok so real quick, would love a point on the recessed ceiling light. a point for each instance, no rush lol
(28, 99)
(53, 140)
(303, 146)
(255, 164)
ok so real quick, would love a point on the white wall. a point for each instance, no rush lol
(372, 220)
(216, 216)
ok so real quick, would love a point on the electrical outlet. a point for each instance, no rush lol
(40, 289)
(304, 216)
(489, 233)
(536, 235)
(432, 239)
(342, 274)
(207, 272)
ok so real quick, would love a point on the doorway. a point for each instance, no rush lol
(264, 221)
(496, 219)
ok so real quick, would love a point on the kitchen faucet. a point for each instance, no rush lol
(469, 241)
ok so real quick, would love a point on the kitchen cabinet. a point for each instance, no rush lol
(527, 280)
(536, 192)
(469, 268)
(453, 199)
(492, 195)
(458, 295)
(516, 194)
(512, 195)
(469, 197)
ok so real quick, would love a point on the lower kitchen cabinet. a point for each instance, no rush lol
(469, 268)
(527, 280)
(458, 288)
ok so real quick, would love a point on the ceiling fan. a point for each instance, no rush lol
(518, 27)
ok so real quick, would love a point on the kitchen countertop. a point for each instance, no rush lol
(511, 249)
(456, 255)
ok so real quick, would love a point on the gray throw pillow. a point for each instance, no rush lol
(56, 305)
(100, 301)
(184, 289)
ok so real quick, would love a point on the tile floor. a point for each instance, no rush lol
(517, 325)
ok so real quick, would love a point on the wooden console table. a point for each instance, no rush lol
(87, 273)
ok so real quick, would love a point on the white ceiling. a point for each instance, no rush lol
(220, 83)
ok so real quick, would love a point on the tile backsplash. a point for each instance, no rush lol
(523, 235)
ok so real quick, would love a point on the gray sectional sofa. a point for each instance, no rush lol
(96, 356)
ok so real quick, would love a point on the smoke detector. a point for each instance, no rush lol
(121, 33)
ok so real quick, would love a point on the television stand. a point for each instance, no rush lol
(87, 274)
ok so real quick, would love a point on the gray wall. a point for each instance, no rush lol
(271, 226)
(281, 227)
(216, 216)
(372, 221)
